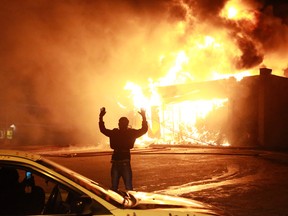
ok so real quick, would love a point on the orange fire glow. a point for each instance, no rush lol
(209, 53)
(236, 10)
(177, 122)
(180, 122)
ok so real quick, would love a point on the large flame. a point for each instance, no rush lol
(178, 122)
(207, 55)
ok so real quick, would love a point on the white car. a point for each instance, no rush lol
(33, 185)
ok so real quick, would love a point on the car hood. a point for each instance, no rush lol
(151, 201)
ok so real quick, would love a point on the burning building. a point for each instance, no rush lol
(246, 113)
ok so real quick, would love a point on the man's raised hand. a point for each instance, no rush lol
(142, 112)
(102, 112)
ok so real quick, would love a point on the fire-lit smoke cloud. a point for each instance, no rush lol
(75, 56)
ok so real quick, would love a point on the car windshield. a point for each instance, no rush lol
(107, 194)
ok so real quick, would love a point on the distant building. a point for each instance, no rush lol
(26, 124)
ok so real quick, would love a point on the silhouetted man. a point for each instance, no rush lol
(122, 139)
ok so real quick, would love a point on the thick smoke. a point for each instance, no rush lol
(71, 57)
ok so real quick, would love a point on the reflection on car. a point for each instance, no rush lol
(33, 185)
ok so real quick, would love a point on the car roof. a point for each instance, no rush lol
(19, 154)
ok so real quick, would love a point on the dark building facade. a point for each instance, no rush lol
(259, 111)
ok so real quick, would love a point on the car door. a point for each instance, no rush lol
(26, 190)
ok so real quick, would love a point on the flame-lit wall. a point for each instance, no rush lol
(259, 117)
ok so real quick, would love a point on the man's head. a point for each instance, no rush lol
(123, 123)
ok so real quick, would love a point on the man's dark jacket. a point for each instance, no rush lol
(122, 140)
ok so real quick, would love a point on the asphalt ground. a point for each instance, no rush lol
(273, 155)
